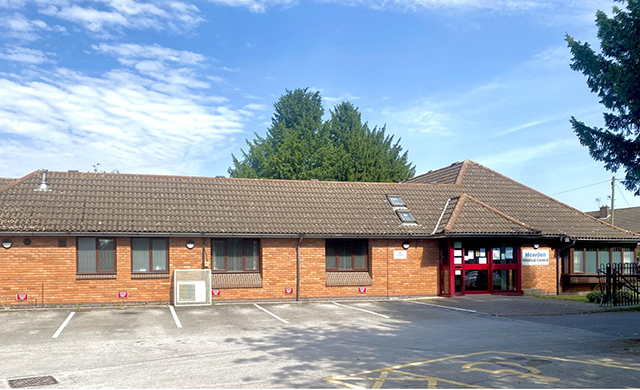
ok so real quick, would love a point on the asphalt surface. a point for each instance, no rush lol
(385, 344)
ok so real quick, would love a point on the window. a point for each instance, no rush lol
(406, 216)
(346, 255)
(149, 255)
(589, 260)
(235, 255)
(396, 201)
(96, 255)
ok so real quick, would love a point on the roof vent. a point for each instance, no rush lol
(433, 182)
(73, 170)
(43, 184)
(314, 179)
(220, 177)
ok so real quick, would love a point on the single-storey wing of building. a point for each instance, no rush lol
(96, 238)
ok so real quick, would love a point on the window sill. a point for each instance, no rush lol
(95, 276)
(351, 278)
(150, 276)
(237, 280)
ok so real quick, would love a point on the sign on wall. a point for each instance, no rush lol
(535, 257)
(399, 255)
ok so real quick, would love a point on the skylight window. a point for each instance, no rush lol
(396, 201)
(406, 216)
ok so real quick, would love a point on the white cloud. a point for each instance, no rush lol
(341, 98)
(25, 55)
(18, 26)
(101, 16)
(68, 120)
(255, 5)
(527, 155)
(421, 116)
(127, 51)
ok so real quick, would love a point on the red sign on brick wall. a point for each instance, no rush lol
(288, 291)
(22, 297)
(362, 290)
(123, 294)
(215, 292)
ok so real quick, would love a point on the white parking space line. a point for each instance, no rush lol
(443, 307)
(357, 308)
(175, 316)
(270, 313)
(69, 317)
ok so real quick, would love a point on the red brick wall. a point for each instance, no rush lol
(25, 269)
(541, 277)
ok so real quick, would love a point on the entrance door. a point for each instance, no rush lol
(476, 271)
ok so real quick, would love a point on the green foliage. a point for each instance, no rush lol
(614, 74)
(594, 296)
(299, 146)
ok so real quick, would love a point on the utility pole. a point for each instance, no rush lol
(613, 194)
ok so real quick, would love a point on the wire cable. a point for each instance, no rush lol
(579, 188)
(622, 194)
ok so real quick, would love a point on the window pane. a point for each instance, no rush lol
(616, 256)
(234, 255)
(578, 261)
(344, 255)
(360, 252)
(591, 261)
(217, 254)
(251, 254)
(330, 254)
(107, 250)
(86, 255)
(505, 280)
(627, 256)
(140, 254)
(603, 258)
(159, 254)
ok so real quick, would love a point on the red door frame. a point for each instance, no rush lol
(490, 267)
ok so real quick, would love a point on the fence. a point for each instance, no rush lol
(620, 284)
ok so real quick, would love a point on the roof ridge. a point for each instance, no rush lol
(433, 171)
(18, 181)
(227, 178)
(555, 200)
(462, 199)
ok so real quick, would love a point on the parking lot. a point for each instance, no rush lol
(363, 344)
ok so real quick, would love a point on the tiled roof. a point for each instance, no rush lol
(446, 175)
(131, 204)
(627, 218)
(471, 216)
(4, 181)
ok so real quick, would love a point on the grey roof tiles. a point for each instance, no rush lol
(104, 203)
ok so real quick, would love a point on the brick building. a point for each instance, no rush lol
(89, 238)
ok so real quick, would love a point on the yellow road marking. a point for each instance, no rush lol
(533, 372)
(432, 381)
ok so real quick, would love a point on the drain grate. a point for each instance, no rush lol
(33, 381)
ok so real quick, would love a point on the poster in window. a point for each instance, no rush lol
(496, 253)
(470, 254)
(457, 252)
(482, 260)
(508, 253)
(483, 252)
(457, 260)
(457, 245)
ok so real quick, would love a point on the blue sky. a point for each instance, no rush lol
(176, 86)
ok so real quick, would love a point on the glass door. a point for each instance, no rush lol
(476, 270)
(505, 271)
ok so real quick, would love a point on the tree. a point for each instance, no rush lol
(293, 146)
(299, 146)
(361, 153)
(614, 74)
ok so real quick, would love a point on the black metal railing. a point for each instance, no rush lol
(619, 284)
